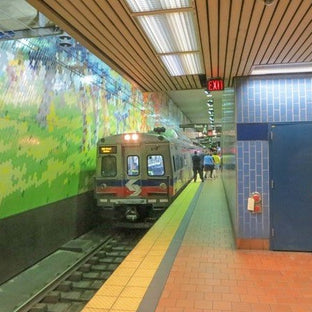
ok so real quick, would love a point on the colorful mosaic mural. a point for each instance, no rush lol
(55, 103)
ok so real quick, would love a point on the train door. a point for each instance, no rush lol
(132, 171)
(159, 170)
(291, 187)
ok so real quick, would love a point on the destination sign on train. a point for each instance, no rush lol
(108, 149)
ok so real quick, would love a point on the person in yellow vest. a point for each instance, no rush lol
(217, 162)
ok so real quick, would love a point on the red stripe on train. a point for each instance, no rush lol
(122, 191)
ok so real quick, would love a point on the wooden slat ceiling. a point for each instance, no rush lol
(234, 35)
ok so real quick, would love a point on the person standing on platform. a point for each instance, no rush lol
(208, 165)
(197, 166)
(217, 161)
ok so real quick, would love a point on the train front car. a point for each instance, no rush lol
(133, 183)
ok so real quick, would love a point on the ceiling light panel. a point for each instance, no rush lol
(154, 5)
(285, 68)
(191, 63)
(170, 27)
(182, 64)
(173, 64)
(170, 32)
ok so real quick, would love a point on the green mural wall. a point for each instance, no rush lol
(55, 103)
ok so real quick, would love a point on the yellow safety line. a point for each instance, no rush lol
(125, 288)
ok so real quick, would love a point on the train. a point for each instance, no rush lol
(138, 175)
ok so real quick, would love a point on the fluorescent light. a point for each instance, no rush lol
(173, 64)
(182, 27)
(191, 62)
(172, 34)
(155, 29)
(182, 64)
(281, 68)
(154, 5)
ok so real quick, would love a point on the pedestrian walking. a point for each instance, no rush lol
(197, 167)
(208, 165)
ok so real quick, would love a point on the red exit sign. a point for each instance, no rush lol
(215, 85)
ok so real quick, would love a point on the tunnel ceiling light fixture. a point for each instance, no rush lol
(170, 27)
(281, 68)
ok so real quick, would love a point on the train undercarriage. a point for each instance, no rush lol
(132, 215)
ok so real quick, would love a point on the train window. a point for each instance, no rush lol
(133, 168)
(155, 165)
(178, 162)
(174, 163)
(108, 168)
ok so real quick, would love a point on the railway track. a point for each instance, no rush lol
(72, 289)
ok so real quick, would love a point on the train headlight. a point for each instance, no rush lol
(163, 186)
(135, 137)
(131, 137)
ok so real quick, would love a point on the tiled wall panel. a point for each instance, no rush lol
(264, 100)
(274, 100)
(253, 176)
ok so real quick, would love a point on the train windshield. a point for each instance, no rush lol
(109, 168)
(133, 168)
(155, 165)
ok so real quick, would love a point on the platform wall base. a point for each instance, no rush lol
(28, 237)
(260, 244)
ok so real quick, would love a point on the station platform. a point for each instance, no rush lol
(188, 262)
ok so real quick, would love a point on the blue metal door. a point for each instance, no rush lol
(291, 187)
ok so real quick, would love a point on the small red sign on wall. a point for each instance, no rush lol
(215, 85)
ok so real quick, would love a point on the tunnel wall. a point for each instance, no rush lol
(55, 103)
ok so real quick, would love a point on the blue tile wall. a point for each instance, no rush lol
(252, 176)
(264, 100)
(274, 99)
